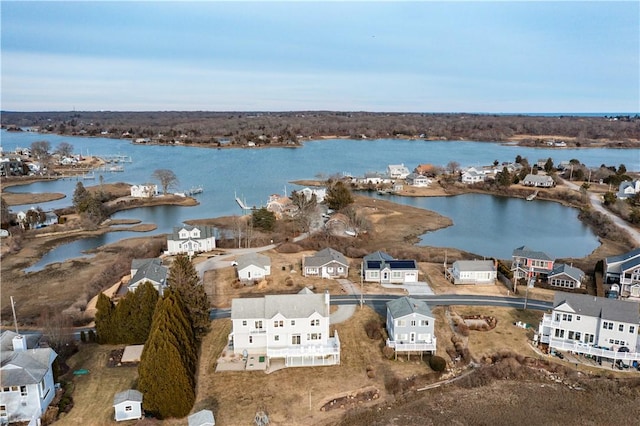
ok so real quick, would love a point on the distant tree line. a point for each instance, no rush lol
(290, 127)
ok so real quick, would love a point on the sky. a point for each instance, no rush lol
(401, 56)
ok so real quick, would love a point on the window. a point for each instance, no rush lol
(577, 317)
(295, 339)
(128, 408)
(396, 274)
(314, 336)
(279, 323)
(250, 339)
(632, 329)
(293, 322)
(413, 323)
(315, 322)
(559, 333)
(557, 317)
(244, 323)
(571, 335)
(606, 325)
(401, 323)
(620, 327)
(424, 323)
(6, 389)
(23, 391)
(566, 317)
(3, 411)
(276, 338)
(258, 325)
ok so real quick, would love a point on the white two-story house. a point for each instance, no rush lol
(292, 327)
(146, 190)
(410, 325)
(26, 379)
(191, 239)
(592, 325)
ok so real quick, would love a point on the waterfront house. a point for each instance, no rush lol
(472, 272)
(379, 267)
(253, 266)
(624, 271)
(539, 181)
(415, 179)
(565, 276)
(410, 326)
(128, 405)
(191, 239)
(26, 378)
(397, 171)
(289, 327)
(146, 190)
(591, 325)
(527, 263)
(374, 178)
(471, 175)
(320, 193)
(201, 418)
(152, 270)
(327, 263)
(628, 189)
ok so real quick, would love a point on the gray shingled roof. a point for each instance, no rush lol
(404, 306)
(378, 255)
(600, 307)
(149, 269)
(256, 259)
(537, 178)
(205, 231)
(289, 305)
(562, 268)
(25, 367)
(6, 340)
(475, 265)
(324, 257)
(128, 395)
(525, 251)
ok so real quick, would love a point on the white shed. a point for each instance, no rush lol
(202, 418)
(128, 405)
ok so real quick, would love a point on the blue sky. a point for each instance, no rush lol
(281, 56)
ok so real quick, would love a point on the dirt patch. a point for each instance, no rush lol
(351, 400)
(115, 357)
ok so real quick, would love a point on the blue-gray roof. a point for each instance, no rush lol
(525, 251)
(206, 231)
(324, 257)
(378, 255)
(562, 268)
(404, 306)
(624, 256)
(128, 395)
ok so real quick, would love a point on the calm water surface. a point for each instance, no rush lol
(254, 174)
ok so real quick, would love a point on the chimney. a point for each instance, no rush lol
(19, 343)
(326, 298)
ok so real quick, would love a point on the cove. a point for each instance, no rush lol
(492, 226)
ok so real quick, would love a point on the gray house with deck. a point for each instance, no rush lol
(410, 326)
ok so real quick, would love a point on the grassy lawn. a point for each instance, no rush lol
(93, 393)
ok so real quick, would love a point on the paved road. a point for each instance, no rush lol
(596, 202)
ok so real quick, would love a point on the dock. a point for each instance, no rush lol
(115, 158)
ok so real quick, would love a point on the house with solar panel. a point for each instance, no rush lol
(26, 378)
(528, 263)
(410, 326)
(291, 328)
(380, 267)
(327, 263)
(189, 240)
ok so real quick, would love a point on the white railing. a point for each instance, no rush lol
(585, 349)
(412, 346)
(547, 321)
(331, 347)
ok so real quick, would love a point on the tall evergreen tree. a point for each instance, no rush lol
(146, 300)
(104, 319)
(183, 278)
(338, 196)
(167, 366)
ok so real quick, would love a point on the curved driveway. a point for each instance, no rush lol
(596, 202)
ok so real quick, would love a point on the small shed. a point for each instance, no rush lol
(128, 405)
(202, 418)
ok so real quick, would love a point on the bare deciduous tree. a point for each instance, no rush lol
(166, 177)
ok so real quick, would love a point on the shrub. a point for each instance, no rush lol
(388, 352)
(392, 384)
(437, 363)
(83, 337)
(372, 328)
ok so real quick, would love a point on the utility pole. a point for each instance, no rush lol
(13, 309)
